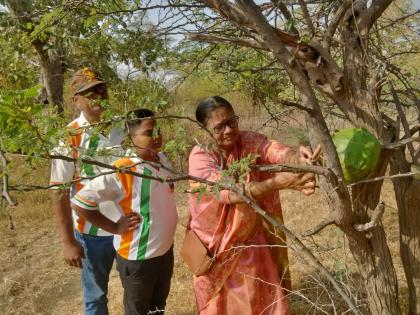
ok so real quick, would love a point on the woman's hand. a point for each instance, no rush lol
(303, 182)
(305, 155)
(127, 223)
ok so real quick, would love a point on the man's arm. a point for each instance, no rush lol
(104, 188)
(125, 224)
(72, 250)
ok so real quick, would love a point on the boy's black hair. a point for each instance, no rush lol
(132, 118)
(206, 106)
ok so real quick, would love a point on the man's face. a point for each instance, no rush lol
(146, 140)
(89, 101)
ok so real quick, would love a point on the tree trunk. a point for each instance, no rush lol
(50, 61)
(407, 195)
(52, 74)
(375, 266)
(369, 249)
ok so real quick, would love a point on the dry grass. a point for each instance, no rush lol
(35, 280)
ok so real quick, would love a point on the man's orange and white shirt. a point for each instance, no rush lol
(153, 200)
(83, 142)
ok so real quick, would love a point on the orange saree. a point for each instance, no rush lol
(244, 278)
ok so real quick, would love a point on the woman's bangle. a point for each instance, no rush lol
(248, 192)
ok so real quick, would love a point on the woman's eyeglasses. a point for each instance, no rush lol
(231, 122)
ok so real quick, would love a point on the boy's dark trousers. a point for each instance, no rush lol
(146, 283)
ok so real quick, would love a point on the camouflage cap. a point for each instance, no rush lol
(84, 79)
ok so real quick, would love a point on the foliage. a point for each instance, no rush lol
(25, 126)
(17, 65)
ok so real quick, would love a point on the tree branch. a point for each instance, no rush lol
(399, 144)
(375, 218)
(243, 42)
(323, 224)
(403, 119)
(307, 18)
(333, 25)
(413, 130)
(294, 168)
(283, 9)
(372, 14)
(382, 178)
(5, 188)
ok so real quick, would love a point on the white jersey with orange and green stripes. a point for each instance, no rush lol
(152, 199)
(83, 141)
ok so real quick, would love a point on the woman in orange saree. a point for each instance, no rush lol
(244, 279)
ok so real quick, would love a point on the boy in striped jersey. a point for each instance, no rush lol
(85, 245)
(145, 232)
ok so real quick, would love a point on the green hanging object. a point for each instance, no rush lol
(358, 151)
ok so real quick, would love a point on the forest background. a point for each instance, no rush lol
(167, 55)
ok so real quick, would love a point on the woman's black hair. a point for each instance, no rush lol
(205, 107)
(132, 118)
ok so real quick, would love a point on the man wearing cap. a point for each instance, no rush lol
(85, 245)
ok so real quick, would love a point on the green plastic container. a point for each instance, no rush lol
(358, 151)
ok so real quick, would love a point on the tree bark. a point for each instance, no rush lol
(50, 61)
(407, 195)
(52, 74)
(373, 256)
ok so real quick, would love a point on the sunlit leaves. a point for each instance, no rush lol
(27, 127)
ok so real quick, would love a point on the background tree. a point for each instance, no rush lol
(334, 53)
(339, 62)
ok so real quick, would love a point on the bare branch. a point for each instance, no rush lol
(323, 224)
(332, 27)
(283, 9)
(398, 20)
(225, 40)
(294, 104)
(5, 188)
(376, 217)
(372, 14)
(414, 129)
(403, 119)
(399, 144)
(294, 168)
(307, 18)
(382, 178)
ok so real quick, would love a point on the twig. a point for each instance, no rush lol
(294, 168)
(376, 217)
(381, 178)
(307, 17)
(399, 144)
(323, 224)
(295, 104)
(5, 188)
(403, 119)
(212, 39)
